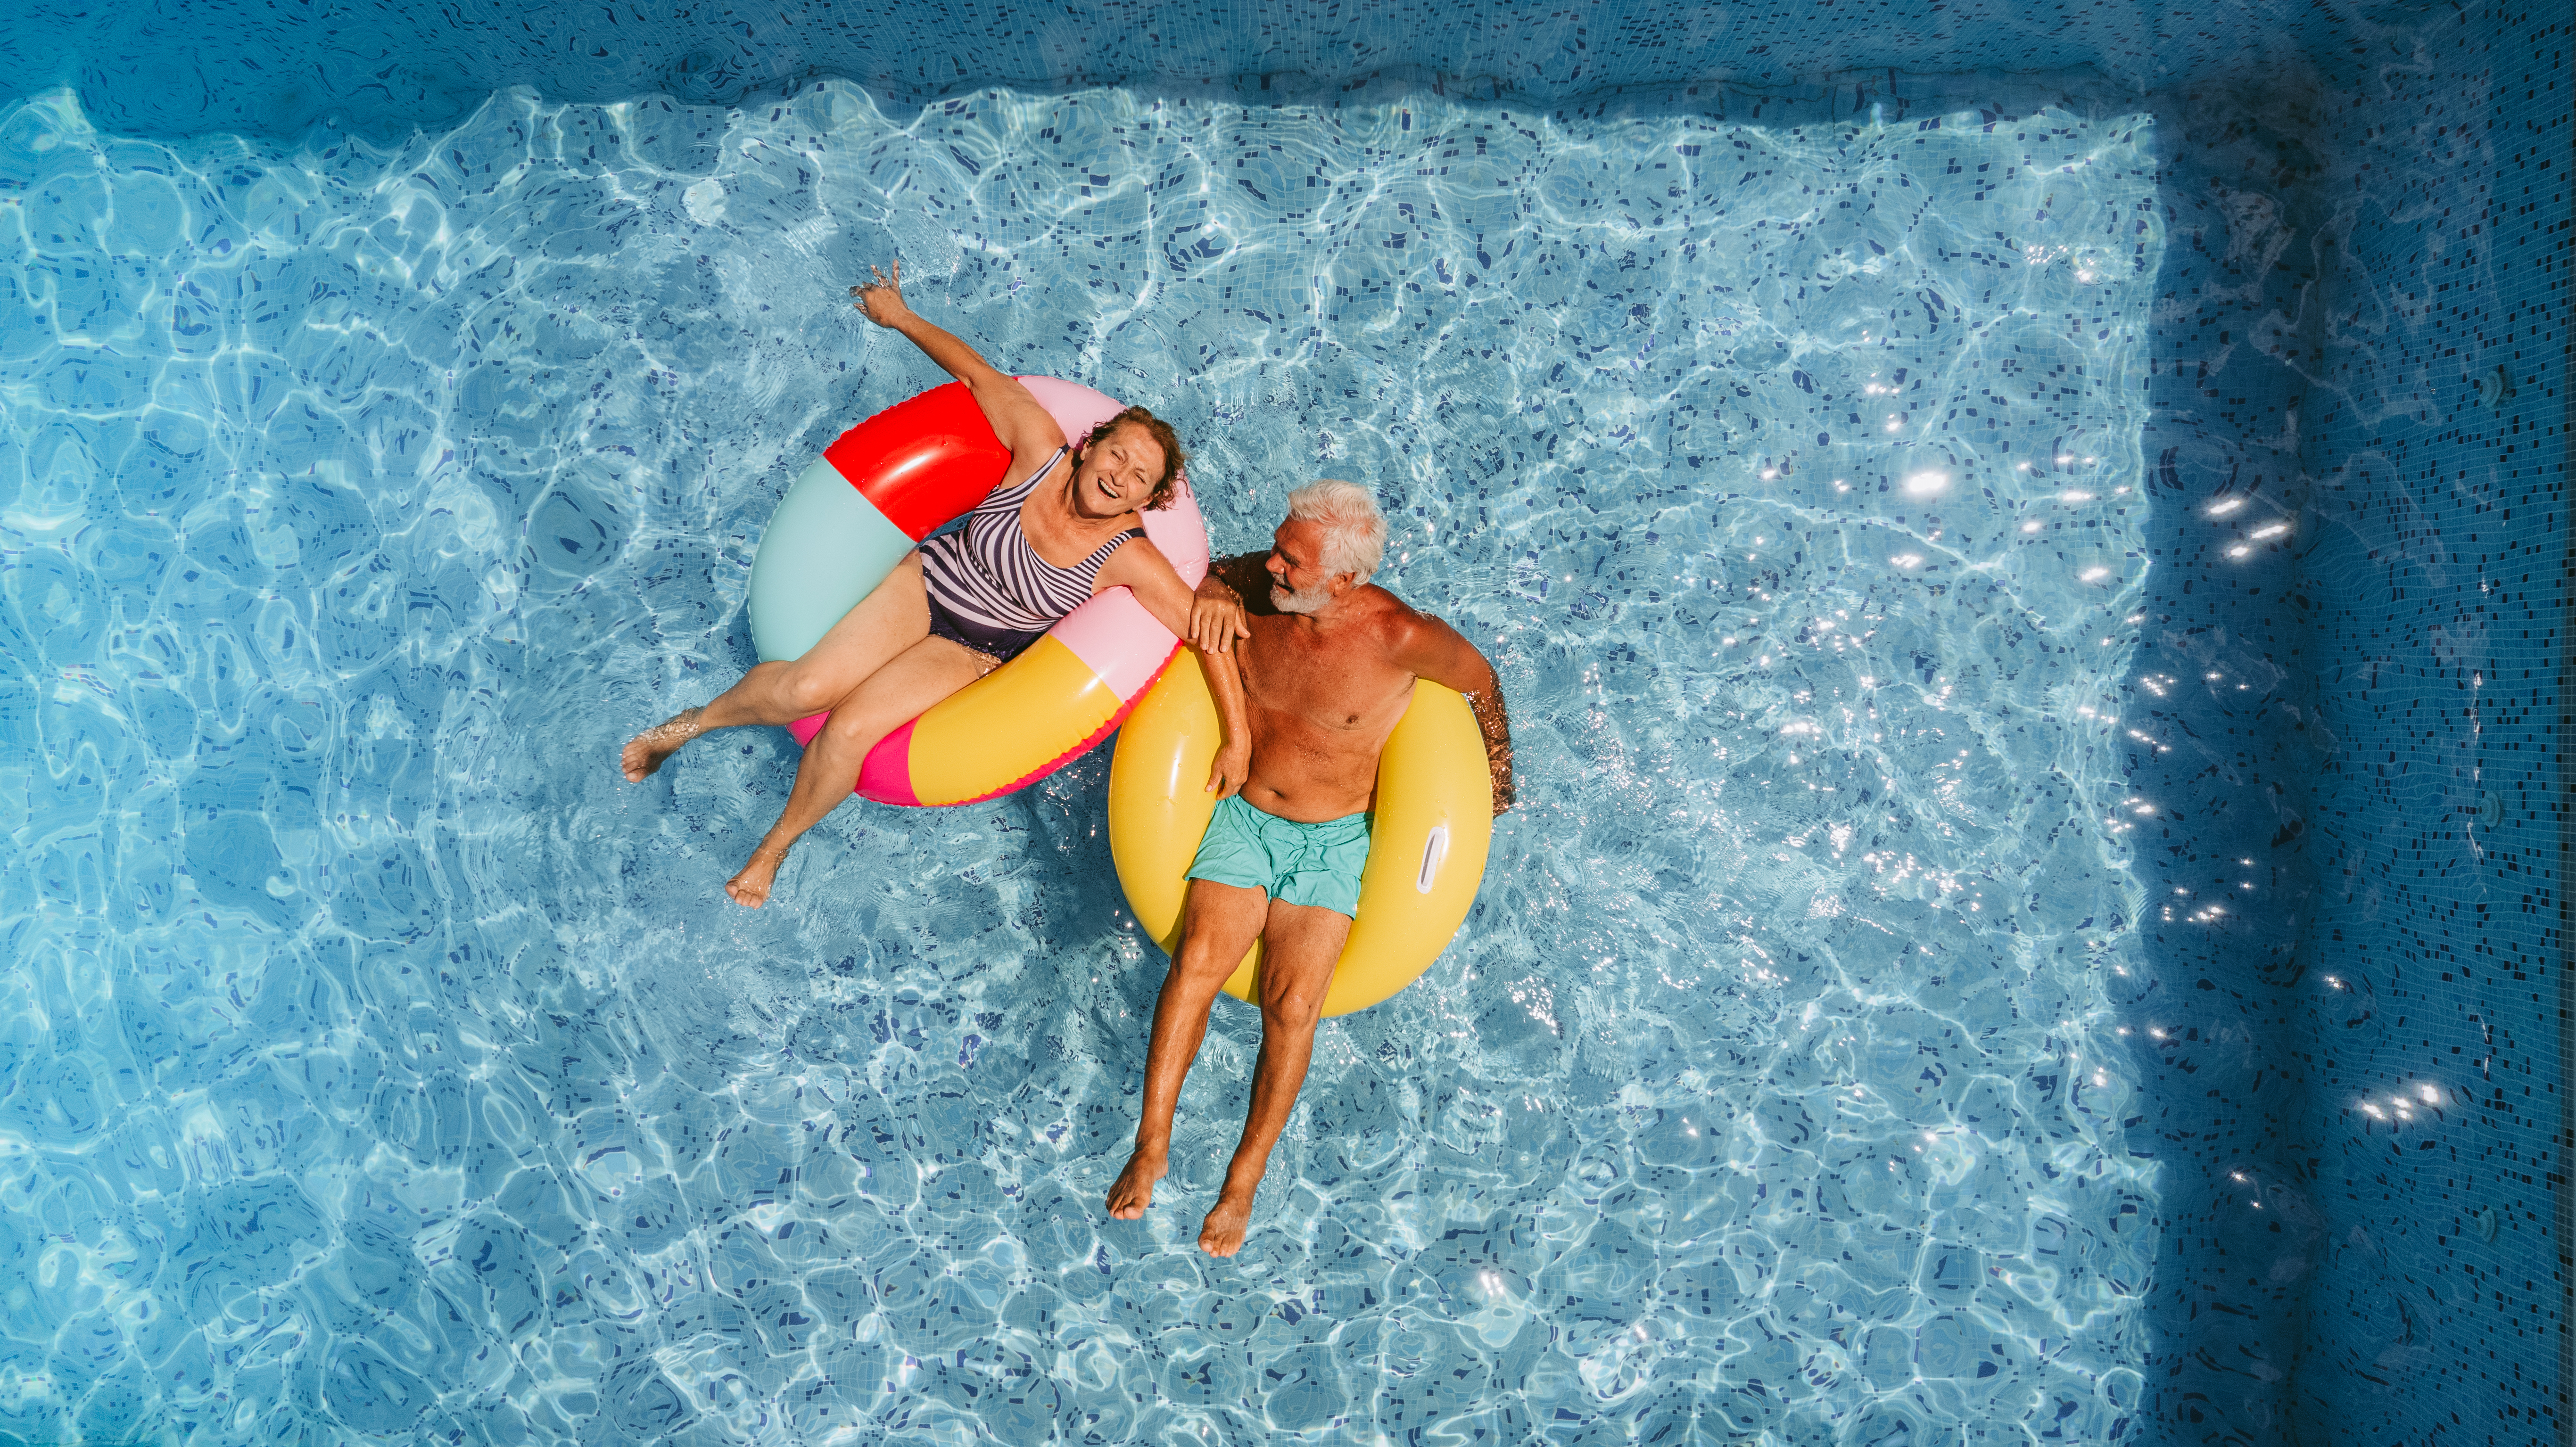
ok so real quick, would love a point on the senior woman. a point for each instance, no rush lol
(1062, 526)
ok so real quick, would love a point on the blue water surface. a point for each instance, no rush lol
(378, 1065)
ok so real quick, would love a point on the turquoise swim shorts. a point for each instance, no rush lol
(1317, 864)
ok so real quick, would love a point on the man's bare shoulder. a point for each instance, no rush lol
(1394, 623)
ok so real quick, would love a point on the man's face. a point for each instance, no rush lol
(1298, 582)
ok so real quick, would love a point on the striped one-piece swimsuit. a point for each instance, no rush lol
(989, 589)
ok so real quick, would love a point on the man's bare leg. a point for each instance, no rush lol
(1300, 944)
(893, 617)
(1219, 922)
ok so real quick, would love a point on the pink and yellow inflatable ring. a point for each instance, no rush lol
(867, 502)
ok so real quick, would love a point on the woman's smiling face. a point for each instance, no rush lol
(1118, 471)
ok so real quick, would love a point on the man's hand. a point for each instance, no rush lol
(1233, 764)
(1216, 617)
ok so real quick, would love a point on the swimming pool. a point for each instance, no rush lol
(1969, 560)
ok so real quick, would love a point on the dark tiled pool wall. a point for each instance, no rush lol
(2348, 797)
(2351, 1036)
(2218, 724)
(2435, 549)
(386, 65)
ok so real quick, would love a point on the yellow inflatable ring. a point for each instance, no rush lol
(1427, 837)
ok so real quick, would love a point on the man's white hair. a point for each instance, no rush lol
(1354, 530)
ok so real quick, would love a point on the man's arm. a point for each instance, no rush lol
(1233, 764)
(1434, 650)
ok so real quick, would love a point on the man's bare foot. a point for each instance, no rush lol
(1134, 1190)
(750, 889)
(1222, 1234)
(645, 752)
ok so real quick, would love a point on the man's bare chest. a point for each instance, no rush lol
(1332, 684)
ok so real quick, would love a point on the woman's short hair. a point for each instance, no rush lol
(1164, 437)
(1354, 530)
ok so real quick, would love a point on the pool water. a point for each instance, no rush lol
(380, 1064)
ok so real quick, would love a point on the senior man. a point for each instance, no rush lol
(1319, 679)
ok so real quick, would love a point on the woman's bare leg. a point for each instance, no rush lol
(893, 617)
(925, 673)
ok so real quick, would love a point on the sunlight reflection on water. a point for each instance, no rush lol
(391, 1066)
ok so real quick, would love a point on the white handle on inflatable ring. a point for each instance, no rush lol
(1434, 850)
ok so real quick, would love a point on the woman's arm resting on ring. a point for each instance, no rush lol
(1141, 568)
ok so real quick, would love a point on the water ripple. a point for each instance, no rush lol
(382, 1066)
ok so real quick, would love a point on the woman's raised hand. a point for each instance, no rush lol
(881, 300)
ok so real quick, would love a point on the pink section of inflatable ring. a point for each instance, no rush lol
(886, 774)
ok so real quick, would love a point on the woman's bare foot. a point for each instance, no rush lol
(750, 889)
(1222, 1234)
(645, 752)
(1135, 1188)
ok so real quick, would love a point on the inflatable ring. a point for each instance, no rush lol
(1428, 835)
(866, 503)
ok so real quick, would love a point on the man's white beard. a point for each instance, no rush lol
(1309, 601)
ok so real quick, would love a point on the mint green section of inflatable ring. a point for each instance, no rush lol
(826, 548)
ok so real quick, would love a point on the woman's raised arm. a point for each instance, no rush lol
(1009, 408)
